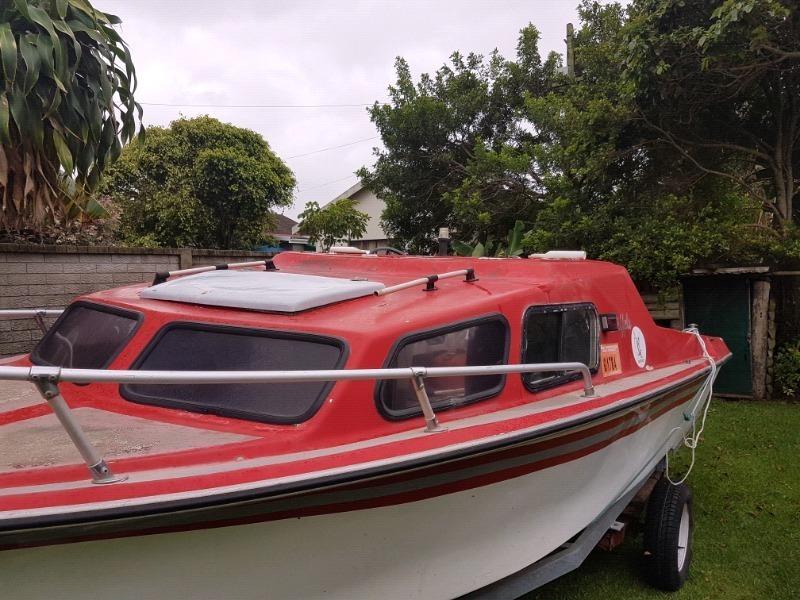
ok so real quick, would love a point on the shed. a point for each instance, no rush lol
(735, 303)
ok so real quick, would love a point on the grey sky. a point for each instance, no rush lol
(310, 52)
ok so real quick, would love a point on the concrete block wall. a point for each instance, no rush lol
(668, 311)
(52, 276)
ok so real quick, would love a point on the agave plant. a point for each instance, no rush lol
(511, 246)
(66, 107)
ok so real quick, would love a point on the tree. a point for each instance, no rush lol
(339, 220)
(452, 152)
(198, 182)
(66, 107)
(680, 122)
(718, 82)
(615, 189)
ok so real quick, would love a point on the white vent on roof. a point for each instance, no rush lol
(346, 250)
(272, 291)
(562, 255)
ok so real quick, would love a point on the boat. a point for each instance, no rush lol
(336, 426)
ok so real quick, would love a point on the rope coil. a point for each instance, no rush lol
(702, 400)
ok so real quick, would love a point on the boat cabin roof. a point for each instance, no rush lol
(499, 285)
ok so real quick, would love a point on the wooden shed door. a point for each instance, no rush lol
(720, 305)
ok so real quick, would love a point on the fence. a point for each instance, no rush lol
(33, 276)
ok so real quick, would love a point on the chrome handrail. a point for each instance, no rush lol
(37, 314)
(428, 281)
(47, 379)
(28, 313)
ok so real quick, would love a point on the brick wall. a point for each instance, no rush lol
(51, 276)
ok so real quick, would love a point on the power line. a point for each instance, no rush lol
(374, 137)
(321, 185)
(255, 105)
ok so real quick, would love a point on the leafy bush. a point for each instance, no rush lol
(786, 369)
(335, 222)
(511, 246)
(199, 183)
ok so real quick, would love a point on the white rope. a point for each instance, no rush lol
(702, 399)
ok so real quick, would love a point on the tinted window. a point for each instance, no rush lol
(206, 348)
(86, 336)
(567, 333)
(481, 343)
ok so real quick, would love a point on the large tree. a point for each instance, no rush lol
(453, 153)
(198, 182)
(66, 107)
(718, 83)
(679, 122)
(615, 188)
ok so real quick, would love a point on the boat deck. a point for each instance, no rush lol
(40, 440)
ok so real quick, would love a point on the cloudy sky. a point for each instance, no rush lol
(287, 58)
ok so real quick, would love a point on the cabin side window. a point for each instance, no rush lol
(198, 347)
(86, 336)
(564, 333)
(475, 343)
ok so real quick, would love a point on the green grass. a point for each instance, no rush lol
(747, 517)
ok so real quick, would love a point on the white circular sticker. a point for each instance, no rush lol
(639, 347)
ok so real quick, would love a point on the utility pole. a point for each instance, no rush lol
(570, 50)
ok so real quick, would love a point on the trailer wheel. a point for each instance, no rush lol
(668, 529)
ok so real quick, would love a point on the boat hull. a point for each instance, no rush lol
(434, 532)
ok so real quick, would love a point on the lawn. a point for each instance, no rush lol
(747, 517)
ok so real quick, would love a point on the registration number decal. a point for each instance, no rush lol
(609, 359)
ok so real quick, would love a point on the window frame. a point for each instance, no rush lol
(564, 377)
(106, 308)
(403, 341)
(344, 352)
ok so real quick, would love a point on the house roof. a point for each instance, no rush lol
(351, 191)
(283, 224)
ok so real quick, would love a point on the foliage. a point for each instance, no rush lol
(200, 183)
(80, 232)
(340, 220)
(659, 153)
(510, 247)
(716, 83)
(658, 238)
(66, 108)
(786, 369)
(450, 156)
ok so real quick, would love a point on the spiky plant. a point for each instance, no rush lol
(66, 107)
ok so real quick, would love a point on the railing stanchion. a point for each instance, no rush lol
(100, 471)
(431, 422)
(39, 318)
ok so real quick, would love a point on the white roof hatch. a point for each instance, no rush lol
(272, 291)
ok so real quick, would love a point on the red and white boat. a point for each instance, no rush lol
(330, 426)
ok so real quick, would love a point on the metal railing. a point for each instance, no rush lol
(37, 314)
(47, 379)
(429, 281)
(162, 276)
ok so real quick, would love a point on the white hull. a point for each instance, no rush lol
(440, 547)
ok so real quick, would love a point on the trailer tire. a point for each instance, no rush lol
(668, 529)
